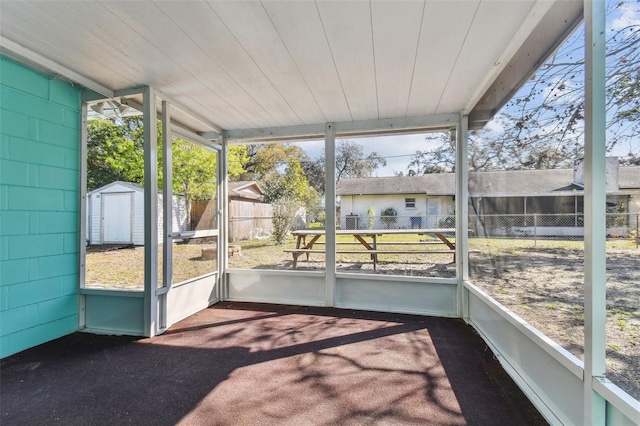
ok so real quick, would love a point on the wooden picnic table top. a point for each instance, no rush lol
(305, 232)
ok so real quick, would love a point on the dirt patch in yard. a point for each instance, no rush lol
(544, 286)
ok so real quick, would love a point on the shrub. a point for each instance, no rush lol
(389, 217)
(371, 217)
(284, 218)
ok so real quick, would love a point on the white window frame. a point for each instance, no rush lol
(407, 203)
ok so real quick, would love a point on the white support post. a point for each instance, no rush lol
(82, 220)
(462, 212)
(150, 212)
(223, 220)
(594, 211)
(167, 212)
(330, 214)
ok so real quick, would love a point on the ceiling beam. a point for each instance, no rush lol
(217, 130)
(383, 126)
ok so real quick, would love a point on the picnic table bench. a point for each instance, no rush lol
(373, 247)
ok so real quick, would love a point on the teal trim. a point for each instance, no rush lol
(39, 216)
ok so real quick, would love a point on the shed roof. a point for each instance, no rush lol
(494, 183)
(131, 185)
(269, 64)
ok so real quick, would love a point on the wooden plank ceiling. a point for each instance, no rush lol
(253, 64)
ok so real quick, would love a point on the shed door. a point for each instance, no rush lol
(116, 218)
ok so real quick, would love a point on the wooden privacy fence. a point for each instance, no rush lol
(203, 215)
(247, 219)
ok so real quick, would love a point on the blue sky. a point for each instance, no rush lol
(396, 150)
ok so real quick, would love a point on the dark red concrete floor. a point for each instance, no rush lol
(254, 364)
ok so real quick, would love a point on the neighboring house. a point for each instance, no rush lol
(428, 201)
(245, 190)
(115, 214)
(420, 201)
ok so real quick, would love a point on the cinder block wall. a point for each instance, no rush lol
(39, 186)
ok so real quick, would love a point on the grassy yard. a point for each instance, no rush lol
(124, 267)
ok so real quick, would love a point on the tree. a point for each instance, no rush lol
(237, 158)
(263, 159)
(314, 170)
(293, 185)
(194, 171)
(352, 163)
(438, 160)
(543, 125)
(114, 152)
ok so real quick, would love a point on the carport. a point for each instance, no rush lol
(223, 73)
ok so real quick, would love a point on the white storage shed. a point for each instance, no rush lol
(115, 214)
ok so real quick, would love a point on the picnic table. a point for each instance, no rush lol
(307, 238)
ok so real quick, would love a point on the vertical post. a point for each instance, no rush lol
(82, 220)
(167, 213)
(637, 234)
(462, 213)
(150, 212)
(330, 214)
(535, 229)
(594, 211)
(223, 221)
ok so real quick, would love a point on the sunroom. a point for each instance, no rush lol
(211, 76)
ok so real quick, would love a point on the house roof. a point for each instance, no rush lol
(494, 183)
(274, 64)
(245, 189)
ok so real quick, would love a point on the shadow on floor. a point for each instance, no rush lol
(241, 363)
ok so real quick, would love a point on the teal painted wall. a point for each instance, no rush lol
(39, 185)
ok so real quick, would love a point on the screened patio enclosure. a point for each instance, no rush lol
(223, 73)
